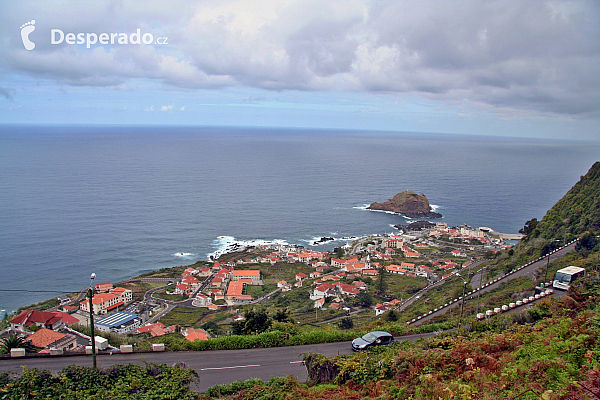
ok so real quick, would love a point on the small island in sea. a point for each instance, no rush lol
(407, 203)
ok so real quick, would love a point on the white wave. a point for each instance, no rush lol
(364, 208)
(181, 254)
(228, 244)
(434, 208)
(351, 238)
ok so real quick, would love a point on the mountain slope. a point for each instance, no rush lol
(577, 212)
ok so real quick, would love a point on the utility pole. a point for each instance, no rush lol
(546, 273)
(462, 304)
(91, 295)
(482, 271)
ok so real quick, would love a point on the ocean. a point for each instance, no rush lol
(122, 200)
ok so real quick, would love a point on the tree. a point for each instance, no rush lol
(13, 342)
(346, 323)
(548, 247)
(256, 321)
(391, 316)
(587, 241)
(381, 284)
(212, 328)
(529, 227)
(364, 299)
(282, 315)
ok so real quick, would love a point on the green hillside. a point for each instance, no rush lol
(576, 213)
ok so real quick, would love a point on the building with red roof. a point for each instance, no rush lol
(103, 287)
(182, 289)
(234, 289)
(43, 319)
(156, 329)
(301, 276)
(190, 280)
(395, 269)
(102, 303)
(348, 290)
(253, 274)
(49, 339)
(323, 290)
(125, 295)
(195, 334)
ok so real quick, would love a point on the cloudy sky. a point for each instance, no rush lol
(516, 68)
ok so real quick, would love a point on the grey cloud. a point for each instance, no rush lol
(536, 56)
(8, 94)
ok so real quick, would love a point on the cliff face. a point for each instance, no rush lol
(408, 203)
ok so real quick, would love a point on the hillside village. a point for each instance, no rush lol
(472, 357)
(318, 280)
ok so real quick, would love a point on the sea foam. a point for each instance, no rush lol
(228, 244)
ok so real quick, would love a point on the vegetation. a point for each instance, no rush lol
(255, 321)
(574, 214)
(555, 358)
(13, 342)
(40, 306)
(121, 381)
(550, 351)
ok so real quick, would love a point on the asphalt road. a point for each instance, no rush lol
(214, 367)
(527, 271)
(422, 292)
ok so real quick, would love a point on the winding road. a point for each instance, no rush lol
(527, 271)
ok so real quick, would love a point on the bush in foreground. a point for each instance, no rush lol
(121, 381)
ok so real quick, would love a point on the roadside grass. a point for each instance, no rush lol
(188, 317)
(402, 286)
(40, 306)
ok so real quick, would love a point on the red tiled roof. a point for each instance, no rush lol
(235, 288)
(148, 328)
(66, 318)
(45, 337)
(196, 334)
(31, 317)
(247, 272)
(101, 298)
(120, 303)
(325, 286)
(104, 286)
(118, 290)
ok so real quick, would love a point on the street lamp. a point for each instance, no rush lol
(91, 295)
(548, 263)
(483, 270)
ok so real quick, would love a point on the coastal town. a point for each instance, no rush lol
(329, 282)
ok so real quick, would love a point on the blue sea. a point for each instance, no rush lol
(122, 200)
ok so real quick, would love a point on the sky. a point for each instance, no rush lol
(505, 68)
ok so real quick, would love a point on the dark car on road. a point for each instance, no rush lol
(375, 338)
